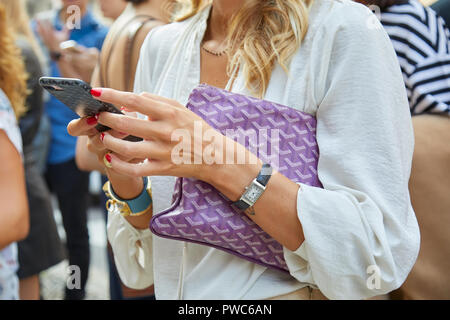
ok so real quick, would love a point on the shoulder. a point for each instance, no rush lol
(161, 39)
(345, 42)
(332, 16)
(145, 29)
(343, 24)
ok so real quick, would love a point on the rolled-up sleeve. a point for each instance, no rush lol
(361, 233)
(132, 251)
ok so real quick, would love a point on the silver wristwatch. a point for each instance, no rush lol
(254, 191)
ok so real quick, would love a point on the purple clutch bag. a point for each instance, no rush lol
(279, 135)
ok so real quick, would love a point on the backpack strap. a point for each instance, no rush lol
(129, 48)
(132, 34)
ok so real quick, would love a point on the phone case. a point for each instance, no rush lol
(79, 99)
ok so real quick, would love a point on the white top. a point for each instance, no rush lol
(9, 283)
(346, 73)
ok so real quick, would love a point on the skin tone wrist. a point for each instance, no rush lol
(126, 187)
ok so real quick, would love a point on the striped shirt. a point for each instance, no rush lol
(422, 42)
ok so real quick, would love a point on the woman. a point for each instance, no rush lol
(324, 61)
(116, 69)
(14, 221)
(42, 248)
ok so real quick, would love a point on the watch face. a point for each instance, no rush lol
(253, 193)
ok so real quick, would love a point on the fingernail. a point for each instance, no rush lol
(107, 160)
(96, 92)
(102, 136)
(91, 120)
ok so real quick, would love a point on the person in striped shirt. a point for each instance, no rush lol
(422, 42)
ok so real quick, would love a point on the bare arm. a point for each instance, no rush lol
(14, 220)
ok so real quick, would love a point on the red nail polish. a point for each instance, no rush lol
(108, 157)
(91, 121)
(96, 92)
(102, 136)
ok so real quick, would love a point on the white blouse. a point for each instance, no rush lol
(361, 233)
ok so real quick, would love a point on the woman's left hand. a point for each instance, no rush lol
(177, 142)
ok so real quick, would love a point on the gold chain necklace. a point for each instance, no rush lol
(215, 53)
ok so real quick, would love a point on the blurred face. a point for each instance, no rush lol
(112, 8)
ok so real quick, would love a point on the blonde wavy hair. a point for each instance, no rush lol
(260, 34)
(13, 77)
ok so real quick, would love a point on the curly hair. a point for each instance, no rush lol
(13, 77)
(261, 33)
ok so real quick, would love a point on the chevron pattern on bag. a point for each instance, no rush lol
(201, 214)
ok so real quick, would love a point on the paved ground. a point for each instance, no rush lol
(53, 280)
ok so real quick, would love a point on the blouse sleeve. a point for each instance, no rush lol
(132, 251)
(361, 234)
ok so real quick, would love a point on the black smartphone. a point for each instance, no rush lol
(76, 94)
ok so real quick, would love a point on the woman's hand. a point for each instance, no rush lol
(50, 36)
(83, 61)
(177, 142)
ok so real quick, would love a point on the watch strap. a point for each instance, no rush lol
(265, 174)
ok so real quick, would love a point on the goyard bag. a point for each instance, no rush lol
(201, 214)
